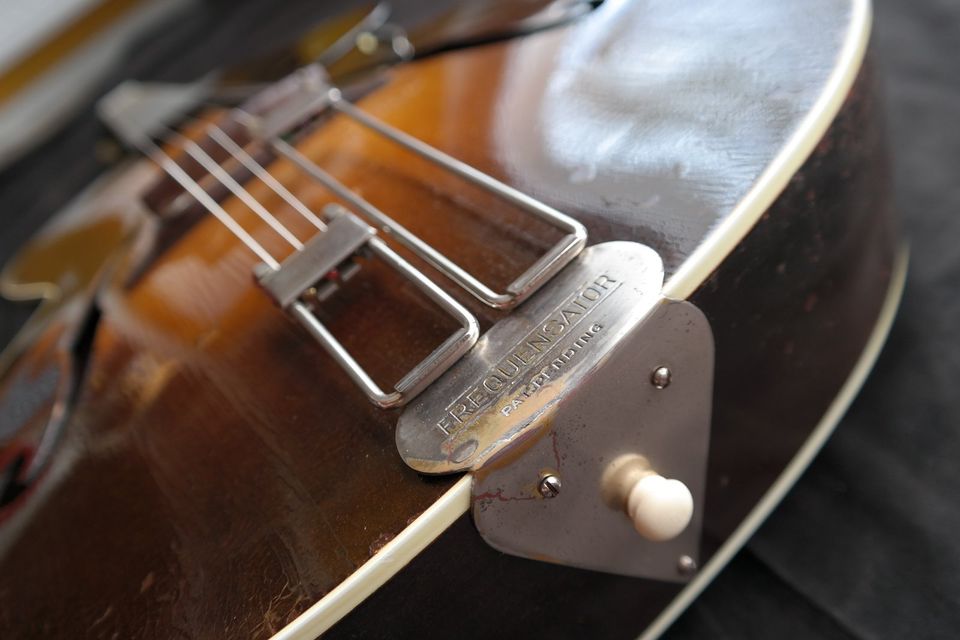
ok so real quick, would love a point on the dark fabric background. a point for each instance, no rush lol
(868, 543)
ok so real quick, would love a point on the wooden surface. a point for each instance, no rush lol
(791, 311)
(220, 474)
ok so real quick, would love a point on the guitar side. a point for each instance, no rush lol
(806, 299)
(220, 476)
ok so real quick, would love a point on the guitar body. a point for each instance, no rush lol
(218, 474)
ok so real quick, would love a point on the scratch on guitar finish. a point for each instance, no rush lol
(485, 498)
(529, 352)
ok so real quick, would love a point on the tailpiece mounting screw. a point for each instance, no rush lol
(686, 565)
(550, 486)
(660, 378)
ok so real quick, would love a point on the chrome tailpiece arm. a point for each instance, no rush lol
(306, 94)
(584, 417)
(324, 264)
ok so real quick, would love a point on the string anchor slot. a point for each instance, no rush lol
(309, 276)
(308, 93)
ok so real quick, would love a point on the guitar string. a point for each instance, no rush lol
(161, 158)
(170, 166)
(219, 136)
(216, 170)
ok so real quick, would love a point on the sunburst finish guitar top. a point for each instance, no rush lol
(182, 457)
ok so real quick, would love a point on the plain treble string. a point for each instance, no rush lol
(216, 170)
(162, 159)
(219, 136)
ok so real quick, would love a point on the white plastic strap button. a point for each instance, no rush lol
(660, 508)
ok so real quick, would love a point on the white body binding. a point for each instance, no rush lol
(705, 259)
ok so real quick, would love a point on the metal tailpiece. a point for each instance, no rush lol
(595, 369)
(324, 263)
(307, 93)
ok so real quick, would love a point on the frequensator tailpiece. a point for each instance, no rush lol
(307, 93)
(283, 109)
(327, 262)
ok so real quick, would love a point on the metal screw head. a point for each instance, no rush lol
(550, 486)
(660, 378)
(686, 565)
(367, 43)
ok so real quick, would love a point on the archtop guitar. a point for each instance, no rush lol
(516, 321)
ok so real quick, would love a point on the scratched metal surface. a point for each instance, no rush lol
(891, 572)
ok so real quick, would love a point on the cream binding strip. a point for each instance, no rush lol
(455, 502)
(711, 253)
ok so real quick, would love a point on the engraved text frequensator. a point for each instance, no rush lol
(538, 352)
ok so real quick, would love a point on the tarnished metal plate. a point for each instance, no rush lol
(345, 235)
(522, 367)
(615, 411)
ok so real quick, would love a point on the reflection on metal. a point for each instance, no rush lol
(550, 486)
(281, 110)
(686, 565)
(321, 266)
(521, 369)
(610, 411)
(307, 93)
(660, 378)
(595, 367)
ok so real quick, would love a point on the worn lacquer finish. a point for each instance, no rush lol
(652, 120)
(220, 473)
(791, 311)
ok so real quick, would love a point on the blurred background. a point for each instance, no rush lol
(866, 545)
